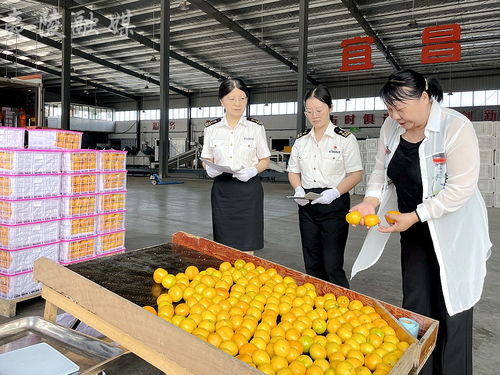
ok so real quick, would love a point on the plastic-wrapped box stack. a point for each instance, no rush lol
(112, 186)
(30, 183)
(57, 201)
(93, 204)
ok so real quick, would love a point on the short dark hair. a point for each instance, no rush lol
(321, 93)
(229, 84)
(408, 84)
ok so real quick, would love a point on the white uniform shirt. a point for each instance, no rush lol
(238, 147)
(325, 164)
(456, 214)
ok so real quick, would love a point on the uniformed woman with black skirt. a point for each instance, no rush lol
(325, 160)
(241, 144)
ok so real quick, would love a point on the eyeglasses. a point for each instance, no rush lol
(234, 100)
(309, 112)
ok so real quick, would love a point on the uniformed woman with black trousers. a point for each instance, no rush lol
(325, 160)
(238, 143)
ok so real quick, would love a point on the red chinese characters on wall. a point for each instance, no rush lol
(467, 114)
(368, 118)
(349, 119)
(356, 54)
(441, 44)
(490, 115)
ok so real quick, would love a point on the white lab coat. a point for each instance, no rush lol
(452, 205)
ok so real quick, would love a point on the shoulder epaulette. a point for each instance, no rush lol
(258, 122)
(342, 132)
(211, 122)
(303, 133)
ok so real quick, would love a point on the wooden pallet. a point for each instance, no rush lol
(8, 306)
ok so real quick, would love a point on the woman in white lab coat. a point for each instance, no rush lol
(427, 167)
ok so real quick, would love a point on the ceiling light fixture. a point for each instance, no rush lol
(184, 5)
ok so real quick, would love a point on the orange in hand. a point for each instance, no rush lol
(371, 220)
(353, 217)
(388, 219)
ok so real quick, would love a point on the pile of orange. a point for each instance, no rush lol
(275, 325)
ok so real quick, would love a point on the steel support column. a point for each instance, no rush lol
(164, 79)
(140, 107)
(189, 122)
(302, 64)
(249, 100)
(66, 69)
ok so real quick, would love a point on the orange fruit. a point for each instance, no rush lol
(372, 360)
(353, 217)
(314, 370)
(151, 309)
(297, 367)
(159, 274)
(343, 301)
(187, 324)
(229, 347)
(345, 368)
(261, 357)
(371, 220)
(317, 351)
(281, 347)
(278, 362)
(182, 309)
(388, 219)
(168, 281)
(247, 348)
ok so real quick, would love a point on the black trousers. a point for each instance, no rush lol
(422, 293)
(238, 212)
(323, 231)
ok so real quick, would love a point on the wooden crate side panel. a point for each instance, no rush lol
(166, 346)
(427, 344)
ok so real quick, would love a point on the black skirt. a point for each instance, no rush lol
(238, 212)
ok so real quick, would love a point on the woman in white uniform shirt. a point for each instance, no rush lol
(241, 144)
(324, 160)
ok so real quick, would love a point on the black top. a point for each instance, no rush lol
(404, 171)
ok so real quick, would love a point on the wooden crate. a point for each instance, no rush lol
(163, 344)
(427, 326)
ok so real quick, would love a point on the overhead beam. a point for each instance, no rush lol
(352, 7)
(87, 56)
(233, 26)
(57, 73)
(104, 21)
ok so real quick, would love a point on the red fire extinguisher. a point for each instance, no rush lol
(22, 118)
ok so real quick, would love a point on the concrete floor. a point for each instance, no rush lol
(155, 212)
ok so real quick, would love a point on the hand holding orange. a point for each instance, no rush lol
(353, 217)
(371, 220)
(388, 219)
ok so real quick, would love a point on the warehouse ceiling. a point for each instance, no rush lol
(116, 47)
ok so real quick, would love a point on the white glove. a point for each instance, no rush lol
(327, 196)
(245, 174)
(212, 172)
(299, 192)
